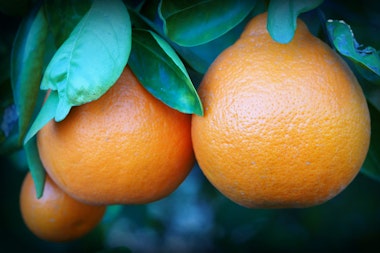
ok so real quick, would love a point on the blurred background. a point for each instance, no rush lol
(197, 218)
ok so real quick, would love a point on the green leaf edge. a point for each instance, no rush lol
(46, 114)
(179, 41)
(177, 61)
(35, 166)
(65, 105)
(172, 55)
(28, 76)
(351, 50)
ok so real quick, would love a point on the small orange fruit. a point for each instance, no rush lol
(285, 125)
(127, 147)
(56, 216)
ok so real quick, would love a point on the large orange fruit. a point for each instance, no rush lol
(127, 147)
(56, 216)
(285, 125)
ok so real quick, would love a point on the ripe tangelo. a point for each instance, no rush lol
(127, 147)
(56, 216)
(285, 125)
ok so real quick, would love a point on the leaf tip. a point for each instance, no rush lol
(62, 111)
(199, 110)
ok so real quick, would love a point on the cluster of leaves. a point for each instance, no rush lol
(78, 49)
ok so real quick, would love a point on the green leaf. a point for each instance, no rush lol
(46, 114)
(192, 23)
(371, 166)
(200, 57)
(282, 17)
(91, 60)
(35, 166)
(63, 16)
(162, 73)
(27, 62)
(366, 59)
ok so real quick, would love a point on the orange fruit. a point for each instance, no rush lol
(127, 147)
(56, 216)
(285, 125)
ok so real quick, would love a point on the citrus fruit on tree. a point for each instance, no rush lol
(56, 216)
(127, 147)
(285, 125)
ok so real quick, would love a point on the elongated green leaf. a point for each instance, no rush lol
(91, 60)
(46, 114)
(27, 62)
(367, 59)
(63, 16)
(192, 23)
(35, 166)
(200, 57)
(282, 17)
(162, 73)
(371, 165)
